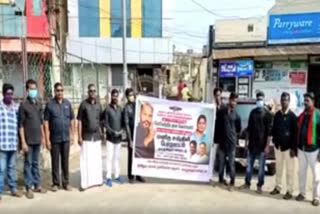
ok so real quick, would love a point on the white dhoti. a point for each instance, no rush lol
(91, 164)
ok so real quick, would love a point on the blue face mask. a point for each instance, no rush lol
(33, 93)
(260, 103)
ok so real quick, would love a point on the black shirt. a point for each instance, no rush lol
(113, 123)
(141, 151)
(129, 118)
(217, 128)
(90, 116)
(259, 129)
(228, 125)
(31, 118)
(284, 131)
(59, 117)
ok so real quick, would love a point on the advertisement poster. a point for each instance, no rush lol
(298, 78)
(173, 140)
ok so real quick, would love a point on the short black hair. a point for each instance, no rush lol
(193, 142)
(128, 91)
(233, 95)
(202, 117)
(260, 94)
(216, 90)
(58, 84)
(285, 94)
(91, 85)
(6, 87)
(309, 95)
(114, 91)
(30, 82)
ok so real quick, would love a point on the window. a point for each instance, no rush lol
(152, 18)
(116, 76)
(89, 21)
(116, 18)
(250, 28)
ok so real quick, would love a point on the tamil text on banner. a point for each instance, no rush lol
(173, 139)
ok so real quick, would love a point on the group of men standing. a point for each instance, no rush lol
(28, 128)
(292, 137)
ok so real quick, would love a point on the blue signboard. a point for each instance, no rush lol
(228, 69)
(244, 68)
(294, 28)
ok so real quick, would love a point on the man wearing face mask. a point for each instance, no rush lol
(129, 121)
(8, 140)
(32, 137)
(259, 136)
(113, 125)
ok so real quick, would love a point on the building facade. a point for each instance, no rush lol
(25, 45)
(283, 57)
(94, 43)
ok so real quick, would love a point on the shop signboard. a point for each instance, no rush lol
(240, 68)
(294, 28)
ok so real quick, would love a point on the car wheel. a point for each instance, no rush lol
(271, 169)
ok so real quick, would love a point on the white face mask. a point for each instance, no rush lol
(260, 103)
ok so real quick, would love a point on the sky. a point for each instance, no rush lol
(191, 22)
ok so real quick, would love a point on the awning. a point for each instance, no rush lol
(219, 54)
(33, 45)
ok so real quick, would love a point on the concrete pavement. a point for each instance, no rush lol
(155, 196)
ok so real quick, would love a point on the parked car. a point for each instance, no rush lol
(244, 107)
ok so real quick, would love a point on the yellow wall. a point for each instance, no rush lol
(136, 18)
(105, 28)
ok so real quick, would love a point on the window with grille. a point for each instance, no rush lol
(116, 76)
(250, 28)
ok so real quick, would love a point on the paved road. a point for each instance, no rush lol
(156, 196)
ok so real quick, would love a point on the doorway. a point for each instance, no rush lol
(313, 82)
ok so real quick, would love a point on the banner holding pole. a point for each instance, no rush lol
(173, 140)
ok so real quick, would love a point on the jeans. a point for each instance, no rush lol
(8, 165)
(250, 163)
(31, 167)
(223, 155)
(60, 157)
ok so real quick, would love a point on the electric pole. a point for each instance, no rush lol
(51, 5)
(124, 37)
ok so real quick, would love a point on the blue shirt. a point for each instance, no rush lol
(8, 127)
(59, 117)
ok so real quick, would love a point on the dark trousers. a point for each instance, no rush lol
(60, 157)
(229, 157)
(31, 167)
(252, 156)
(130, 153)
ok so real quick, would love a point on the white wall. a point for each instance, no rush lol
(295, 6)
(237, 30)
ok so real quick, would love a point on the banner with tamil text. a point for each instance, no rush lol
(173, 139)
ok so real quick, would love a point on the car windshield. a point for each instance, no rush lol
(244, 111)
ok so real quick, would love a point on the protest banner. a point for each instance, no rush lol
(173, 139)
